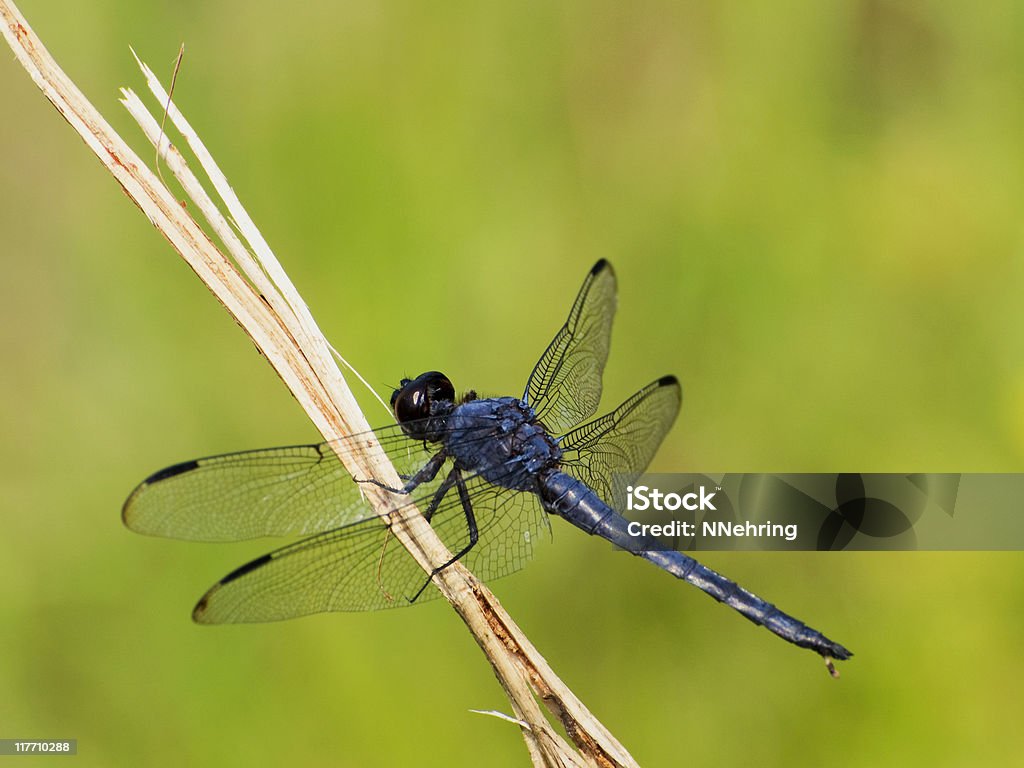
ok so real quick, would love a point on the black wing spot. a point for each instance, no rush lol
(244, 569)
(172, 471)
(200, 608)
(601, 265)
(668, 381)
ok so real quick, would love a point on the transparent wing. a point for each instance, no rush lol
(294, 490)
(610, 452)
(352, 562)
(362, 567)
(565, 385)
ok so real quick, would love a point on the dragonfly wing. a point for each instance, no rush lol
(361, 567)
(293, 490)
(565, 385)
(512, 525)
(610, 452)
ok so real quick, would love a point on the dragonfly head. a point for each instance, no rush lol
(421, 405)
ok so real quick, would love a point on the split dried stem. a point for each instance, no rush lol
(253, 287)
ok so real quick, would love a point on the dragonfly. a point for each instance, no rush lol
(488, 474)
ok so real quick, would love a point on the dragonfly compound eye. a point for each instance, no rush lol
(439, 387)
(413, 400)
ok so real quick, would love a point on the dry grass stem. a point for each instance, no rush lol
(255, 290)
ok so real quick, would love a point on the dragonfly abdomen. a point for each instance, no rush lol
(580, 505)
(746, 603)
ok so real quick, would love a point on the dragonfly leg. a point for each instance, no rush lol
(455, 476)
(426, 473)
(439, 494)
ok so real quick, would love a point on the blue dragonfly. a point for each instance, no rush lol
(488, 473)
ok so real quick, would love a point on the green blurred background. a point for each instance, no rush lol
(814, 210)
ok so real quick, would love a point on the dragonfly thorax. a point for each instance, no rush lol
(501, 440)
